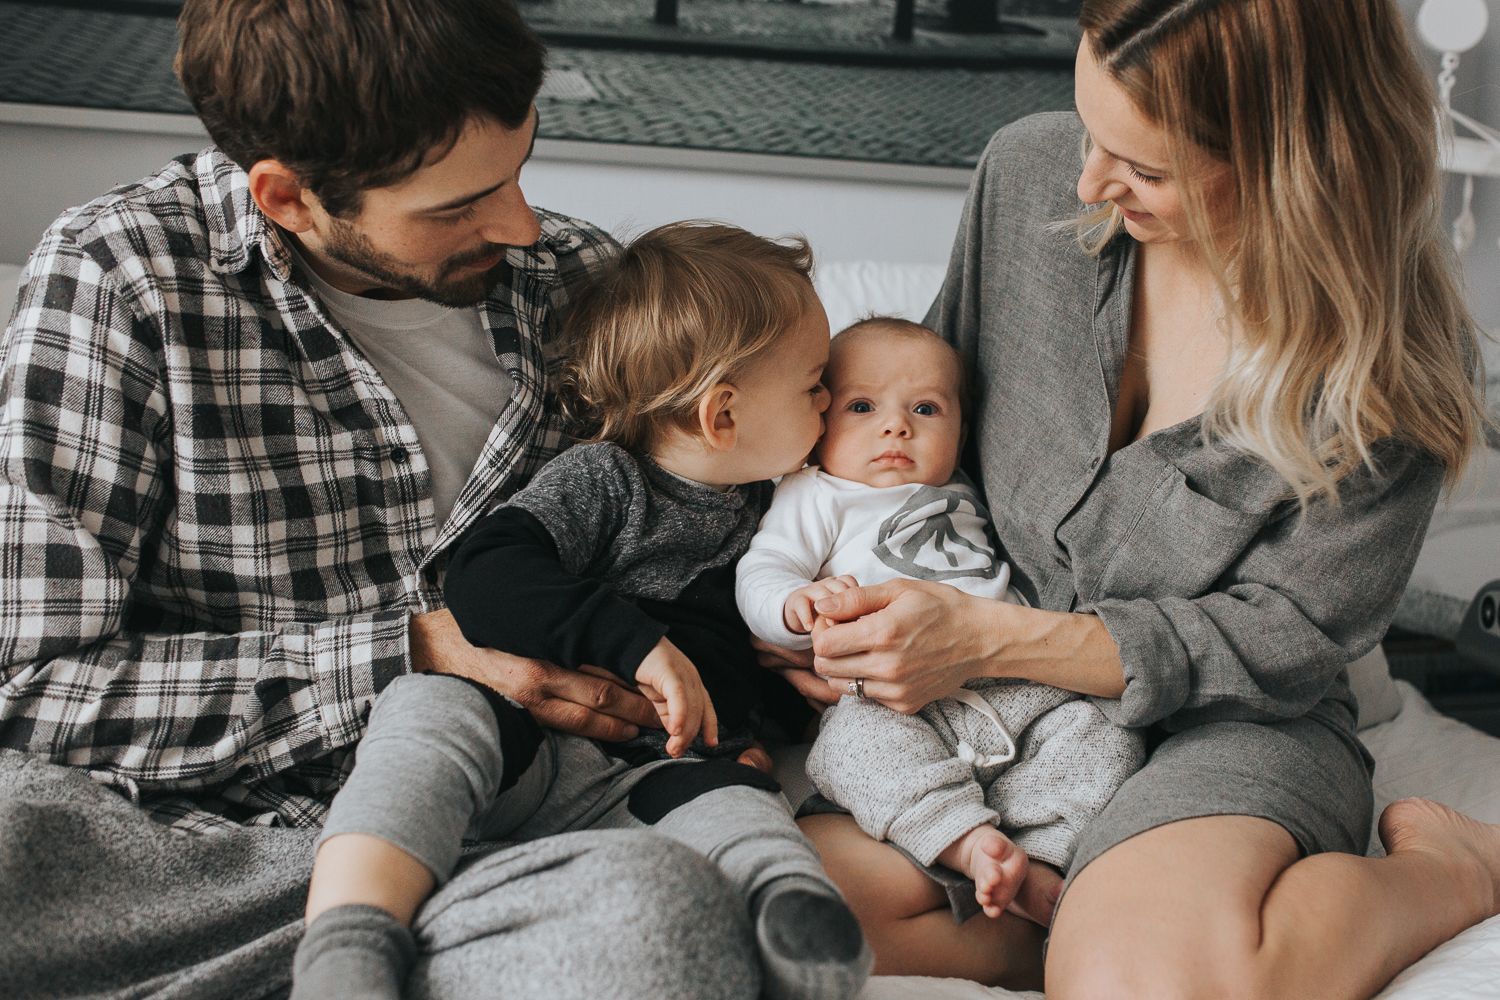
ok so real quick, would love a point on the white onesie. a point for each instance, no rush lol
(821, 526)
(1037, 761)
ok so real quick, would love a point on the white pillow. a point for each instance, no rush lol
(852, 290)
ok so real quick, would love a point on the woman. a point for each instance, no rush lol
(1217, 413)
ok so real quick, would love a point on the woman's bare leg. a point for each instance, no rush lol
(1221, 907)
(907, 921)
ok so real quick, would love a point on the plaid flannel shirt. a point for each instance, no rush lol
(217, 520)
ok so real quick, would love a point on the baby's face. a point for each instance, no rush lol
(894, 417)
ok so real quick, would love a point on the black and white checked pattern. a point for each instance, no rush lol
(215, 518)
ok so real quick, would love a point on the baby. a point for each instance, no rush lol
(887, 501)
(696, 358)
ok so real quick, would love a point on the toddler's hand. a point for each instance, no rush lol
(675, 690)
(798, 614)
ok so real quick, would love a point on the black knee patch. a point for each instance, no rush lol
(666, 788)
(520, 735)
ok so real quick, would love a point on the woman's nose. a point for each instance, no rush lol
(1096, 185)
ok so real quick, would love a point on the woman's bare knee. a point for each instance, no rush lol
(1171, 913)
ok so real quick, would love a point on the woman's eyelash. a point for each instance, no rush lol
(1144, 178)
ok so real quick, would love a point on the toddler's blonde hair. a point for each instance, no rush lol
(683, 308)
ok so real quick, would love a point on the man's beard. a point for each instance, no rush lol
(456, 286)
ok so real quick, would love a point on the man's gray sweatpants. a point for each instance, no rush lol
(98, 901)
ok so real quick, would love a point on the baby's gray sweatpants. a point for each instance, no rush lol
(444, 761)
(904, 781)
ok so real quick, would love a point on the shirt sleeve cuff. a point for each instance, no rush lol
(350, 661)
(1157, 673)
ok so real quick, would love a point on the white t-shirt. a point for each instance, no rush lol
(821, 526)
(441, 364)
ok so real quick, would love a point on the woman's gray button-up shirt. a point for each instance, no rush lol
(1226, 603)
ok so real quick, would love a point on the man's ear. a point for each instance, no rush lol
(716, 417)
(280, 194)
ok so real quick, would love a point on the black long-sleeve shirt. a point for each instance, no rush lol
(602, 555)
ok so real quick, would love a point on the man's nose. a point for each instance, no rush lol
(511, 221)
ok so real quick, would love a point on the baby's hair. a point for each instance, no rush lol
(905, 329)
(683, 308)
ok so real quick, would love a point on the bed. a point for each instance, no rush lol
(1419, 752)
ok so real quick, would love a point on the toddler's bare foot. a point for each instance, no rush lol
(997, 866)
(1474, 847)
(1037, 898)
(756, 757)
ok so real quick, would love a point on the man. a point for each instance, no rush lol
(249, 405)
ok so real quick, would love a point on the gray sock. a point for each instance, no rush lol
(353, 951)
(811, 947)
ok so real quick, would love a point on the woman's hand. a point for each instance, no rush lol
(915, 642)
(912, 641)
(796, 666)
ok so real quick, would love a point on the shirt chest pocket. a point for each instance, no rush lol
(1176, 543)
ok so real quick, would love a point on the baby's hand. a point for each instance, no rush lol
(798, 614)
(675, 690)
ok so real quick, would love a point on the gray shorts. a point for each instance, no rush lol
(1309, 775)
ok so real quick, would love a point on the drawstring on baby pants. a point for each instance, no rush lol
(966, 753)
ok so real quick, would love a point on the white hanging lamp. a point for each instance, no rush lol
(1453, 27)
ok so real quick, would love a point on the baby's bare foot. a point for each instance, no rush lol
(997, 866)
(1422, 825)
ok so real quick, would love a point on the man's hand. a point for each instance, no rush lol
(587, 702)
(797, 613)
(677, 693)
(796, 666)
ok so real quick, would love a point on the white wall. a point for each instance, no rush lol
(1477, 95)
(848, 211)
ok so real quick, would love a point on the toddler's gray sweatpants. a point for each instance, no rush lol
(444, 761)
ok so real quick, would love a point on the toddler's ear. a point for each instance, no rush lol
(716, 417)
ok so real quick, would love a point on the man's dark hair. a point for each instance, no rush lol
(354, 94)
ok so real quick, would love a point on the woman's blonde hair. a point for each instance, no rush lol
(683, 308)
(1348, 320)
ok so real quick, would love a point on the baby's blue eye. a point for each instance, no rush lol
(860, 406)
(924, 410)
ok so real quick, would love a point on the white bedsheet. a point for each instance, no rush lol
(1419, 752)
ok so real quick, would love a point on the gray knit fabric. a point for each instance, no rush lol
(430, 766)
(625, 519)
(113, 906)
(437, 786)
(901, 779)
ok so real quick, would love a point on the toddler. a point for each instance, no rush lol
(696, 358)
(887, 501)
